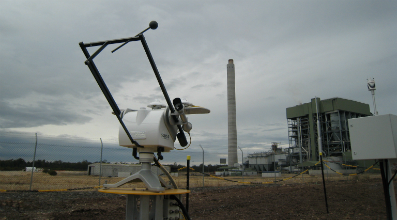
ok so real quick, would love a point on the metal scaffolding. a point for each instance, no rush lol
(333, 115)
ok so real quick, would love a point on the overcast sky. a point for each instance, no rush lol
(285, 53)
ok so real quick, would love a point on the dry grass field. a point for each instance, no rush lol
(302, 197)
(19, 180)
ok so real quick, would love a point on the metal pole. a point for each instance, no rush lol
(181, 135)
(242, 158)
(320, 150)
(100, 165)
(94, 70)
(346, 169)
(383, 170)
(274, 167)
(374, 103)
(187, 183)
(203, 162)
(300, 145)
(34, 158)
(299, 141)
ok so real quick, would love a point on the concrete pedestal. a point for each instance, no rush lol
(145, 205)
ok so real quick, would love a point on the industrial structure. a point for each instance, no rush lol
(333, 120)
(268, 161)
(231, 115)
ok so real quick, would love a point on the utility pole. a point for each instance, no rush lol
(34, 158)
(203, 162)
(320, 151)
(100, 165)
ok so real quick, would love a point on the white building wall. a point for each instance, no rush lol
(266, 159)
(280, 157)
(113, 170)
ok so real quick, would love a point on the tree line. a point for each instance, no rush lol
(207, 168)
(21, 164)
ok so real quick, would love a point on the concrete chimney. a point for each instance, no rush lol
(231, 115)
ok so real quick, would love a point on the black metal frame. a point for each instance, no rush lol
(94, 70)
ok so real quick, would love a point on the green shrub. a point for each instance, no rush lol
(45, 170)
(52, 172)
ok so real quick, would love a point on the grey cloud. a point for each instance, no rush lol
(285, 53)
(149, 98)
(199, 86)
(27, 116)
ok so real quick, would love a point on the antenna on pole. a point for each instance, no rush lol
(371, 87)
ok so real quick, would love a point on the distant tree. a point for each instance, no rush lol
(20, 164)
(40, 163)
(12, 164)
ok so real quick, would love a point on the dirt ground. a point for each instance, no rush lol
(347, 199)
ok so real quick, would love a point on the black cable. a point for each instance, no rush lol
(184, 211)
(391, 179)
(165, 172)
(325, 191)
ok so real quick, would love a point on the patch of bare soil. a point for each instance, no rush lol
(346, 200)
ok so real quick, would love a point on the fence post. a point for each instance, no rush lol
(100, 164)
(187, 183)
(34, 158)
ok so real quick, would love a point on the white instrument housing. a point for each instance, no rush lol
(151, 128)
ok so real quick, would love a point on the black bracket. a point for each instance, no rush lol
(159, 150)
(94, 70)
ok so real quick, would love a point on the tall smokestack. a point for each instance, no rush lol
(231, 115)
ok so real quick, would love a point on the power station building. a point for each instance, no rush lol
(268, 161)
(334, 130)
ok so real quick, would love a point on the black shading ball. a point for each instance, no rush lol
(153, 25)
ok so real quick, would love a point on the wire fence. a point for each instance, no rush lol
(37, 162)
(40, 163)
